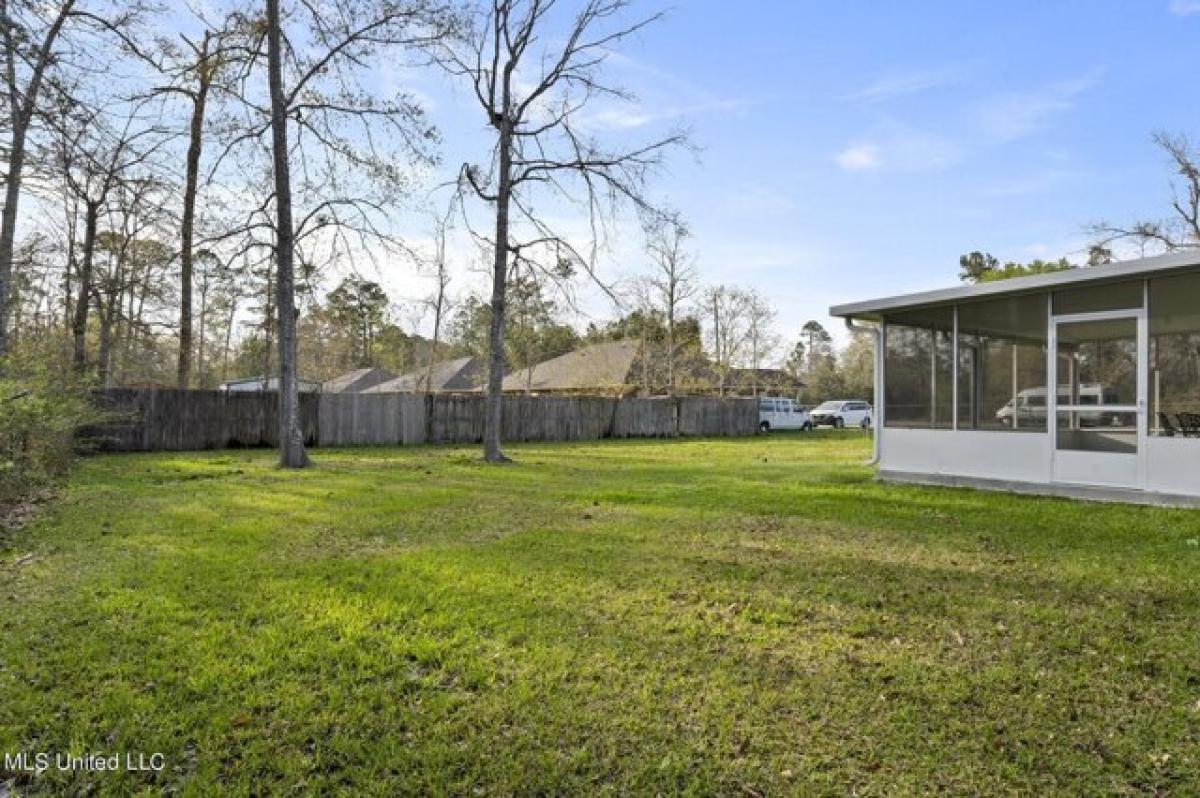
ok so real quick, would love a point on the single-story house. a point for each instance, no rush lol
(963, 376)
(446, 376)
(266, 384)
(357, 381)
(606, 368)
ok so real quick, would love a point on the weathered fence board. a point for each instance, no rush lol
(645, 418)
(156, 419)
(161, 419)
(365, 419)
(557, 418)
(456, 419)
(706, 415)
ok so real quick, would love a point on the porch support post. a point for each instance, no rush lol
(1051, 386)
(881, 379)
(954, 372)
(1016, 416)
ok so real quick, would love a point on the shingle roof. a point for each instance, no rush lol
(600, 367)
(460, 374)
(357, 381)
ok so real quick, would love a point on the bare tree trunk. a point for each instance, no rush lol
(671, 347)
(21, 107)
(106, 311)
(438, 306)
(79, 325)
(291, 436)
(228, 339)
(645, 358)
(201, 376)
(269, 321)
(717, 347)
(8, 228)
(493, 418)
(187, 225)
(71, 211)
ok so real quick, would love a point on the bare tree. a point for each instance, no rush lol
(438, 300)
(132, 269)
(35, 40)
(195, 73)
(727, 309)
(291, 436)
(674, 278)
(1182, 230)
(531, 95)
(25, 63)
(762, 339)
(93, 160)
(333, 117)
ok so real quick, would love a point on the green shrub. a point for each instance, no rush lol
(42, 405)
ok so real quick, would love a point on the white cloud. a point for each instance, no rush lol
(1184, 8)
(632, 116)
(617, 119)
(902, 84)
(859, 158)
(1014, 115)
(657, 96)
(897, 146)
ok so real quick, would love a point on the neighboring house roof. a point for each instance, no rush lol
(1111, 272)
(601, 367)
(265, 384)
(357, 381)
(460, 374)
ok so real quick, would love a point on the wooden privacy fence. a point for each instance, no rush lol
(161, 419)
(154, 419)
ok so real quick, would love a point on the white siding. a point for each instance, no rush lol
(1173, 466)
(1010, 456)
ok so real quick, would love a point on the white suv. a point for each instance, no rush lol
(779, 413)
(842, 414)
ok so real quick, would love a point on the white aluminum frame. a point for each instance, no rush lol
(1062, 462)
(963, 455)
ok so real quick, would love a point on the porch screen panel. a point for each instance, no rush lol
(920, 370)
(1175, 356)
(1002, 364)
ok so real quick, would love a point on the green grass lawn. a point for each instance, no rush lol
(747, 617)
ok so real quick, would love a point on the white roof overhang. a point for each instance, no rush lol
(1141, 268)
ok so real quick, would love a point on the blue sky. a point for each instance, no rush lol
(855, 149)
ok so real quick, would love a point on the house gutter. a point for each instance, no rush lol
(876, 331)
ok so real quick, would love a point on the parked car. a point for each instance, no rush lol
(842, 414)
(776, 412)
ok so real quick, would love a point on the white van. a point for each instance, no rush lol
(1031, 404)
(781, 413)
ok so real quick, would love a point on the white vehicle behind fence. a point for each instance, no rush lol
(781, 413)
(1031, 405)
(842, 414)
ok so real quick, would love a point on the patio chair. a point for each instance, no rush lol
(1165, 427)
(1189, 424)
